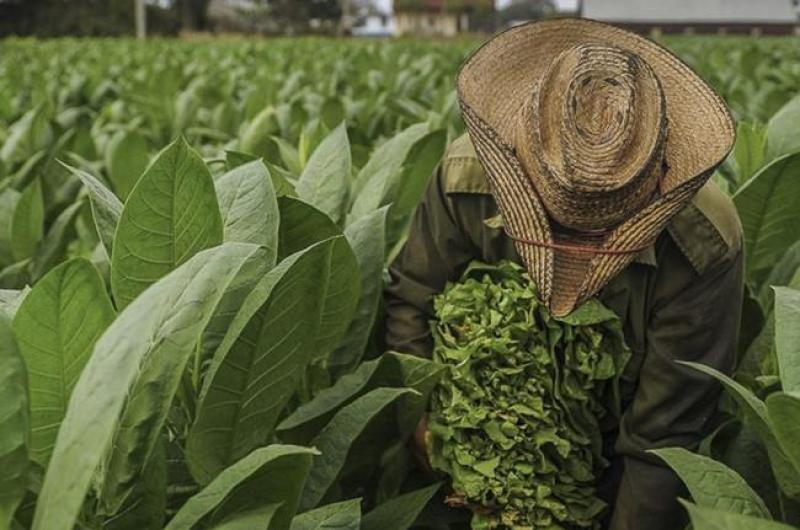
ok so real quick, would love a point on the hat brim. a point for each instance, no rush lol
(494, 84)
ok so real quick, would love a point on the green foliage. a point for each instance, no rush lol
(247, 284)
(256, 518)
(296, 142)
(711, 519)
(160, 328)
(126, 159)
(14, 424)
(400, 512)
(325, 179)
(56, 327)
(172, 213)
(27, 225)
(249, 206)
(233, 417)
(515, 418)
(267, 476)
(714, 485)
(344, 515)
(367, 237)
(106, 207)
(769, 207)
(336, 438)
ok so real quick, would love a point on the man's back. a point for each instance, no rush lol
(679, 300)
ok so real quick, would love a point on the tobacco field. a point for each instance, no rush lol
(193, 243)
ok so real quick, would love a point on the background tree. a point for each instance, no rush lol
(193, 14)
(519, 10)
(300, 16)
(53, 18)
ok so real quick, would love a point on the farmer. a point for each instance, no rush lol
(588, 161)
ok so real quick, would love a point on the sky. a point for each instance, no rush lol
(562, 4)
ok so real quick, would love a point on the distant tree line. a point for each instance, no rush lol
(49, 18)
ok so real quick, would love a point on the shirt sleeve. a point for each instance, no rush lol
(435, 252)
(674, 405)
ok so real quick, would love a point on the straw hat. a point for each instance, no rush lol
(592, 138)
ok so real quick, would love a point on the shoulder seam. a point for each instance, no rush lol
(471, 177)
(699, 236)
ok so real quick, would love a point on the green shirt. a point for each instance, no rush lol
(679, 300)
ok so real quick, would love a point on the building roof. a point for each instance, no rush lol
(443, 5)
(684, 11)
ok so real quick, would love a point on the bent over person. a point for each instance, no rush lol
(595, 147)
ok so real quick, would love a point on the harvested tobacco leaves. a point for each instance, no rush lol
(515, 419)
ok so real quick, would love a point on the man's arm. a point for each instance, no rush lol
(675, 405)
(435, 252)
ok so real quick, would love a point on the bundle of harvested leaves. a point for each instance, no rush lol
(515, 419)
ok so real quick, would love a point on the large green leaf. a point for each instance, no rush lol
(769, 206)
(420, 164)
(368, 240)
(56, 327)
(29, 134)
(126, 159)
(282, 182)
(249, 206)
(301, 226)
(171, 214)
(754, 412)
(760, 357)
(782, 136)
(145, 507)
(255, 519)
(784, 415)
(389, 370)
(780, 275)
(342, 290)
(14, 425)
(8, 203)
(336, 438)
(256, 136)
(234, 159)
(164, 323)
(711, 519)
(787, 337)
(740, 448)
(267, 347)
(400, 512)
(52, 249)
(377, 182)
(10, 300)
(15, 276)
(248, 276)
(326, 177)
(27, 225)
(289, 155)
(345, 515)
(269, 475)
(749, 150)
(713, 484)
(106, 207)
(149, 403)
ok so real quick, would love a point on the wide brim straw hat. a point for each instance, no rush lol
(592, 139)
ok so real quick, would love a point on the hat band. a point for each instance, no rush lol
(585, 249)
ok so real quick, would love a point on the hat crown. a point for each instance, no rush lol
(595, 130)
